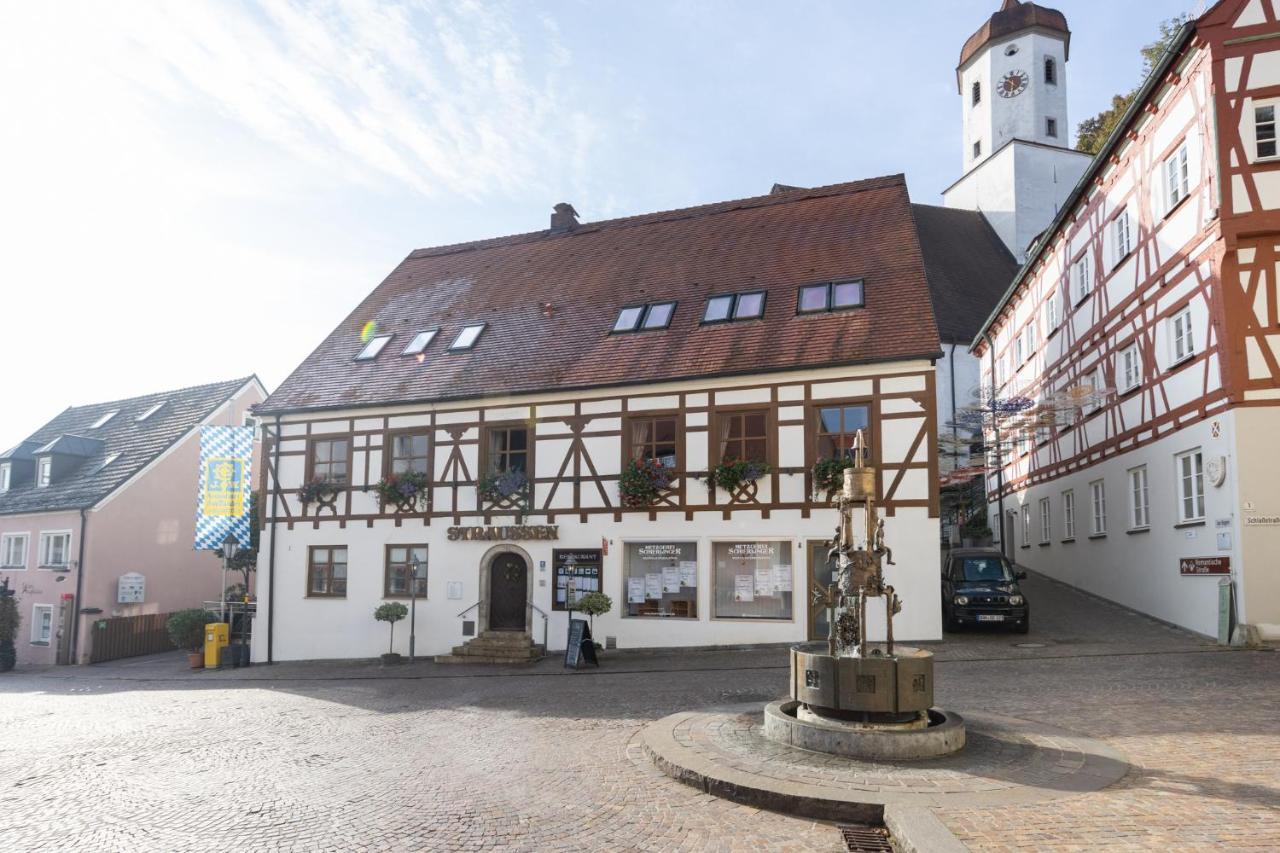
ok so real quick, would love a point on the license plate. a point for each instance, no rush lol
(990, 617)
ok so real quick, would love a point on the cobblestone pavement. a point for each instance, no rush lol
(137, 755)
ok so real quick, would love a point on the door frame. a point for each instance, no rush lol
(808, 589)
(486, 567)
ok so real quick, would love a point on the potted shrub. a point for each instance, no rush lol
(406, 491)
(593, 604)
(186, 630)
(9, 621)
(509, 488)
(735, 473)
(392, 612)
(318, 490)
(643, 481)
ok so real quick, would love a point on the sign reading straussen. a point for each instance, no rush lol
(505, 532)
(1204, 566)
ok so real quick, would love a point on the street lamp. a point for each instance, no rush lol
(417, 572)
(230, 546)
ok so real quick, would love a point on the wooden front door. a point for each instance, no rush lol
(821, 573)
(508, 578)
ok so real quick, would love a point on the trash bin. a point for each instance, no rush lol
(216, 636)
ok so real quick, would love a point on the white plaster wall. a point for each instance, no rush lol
(1138, 570)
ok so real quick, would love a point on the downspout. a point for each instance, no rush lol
(995, 431)
(955, 430)
(75, 623)
(271, 554)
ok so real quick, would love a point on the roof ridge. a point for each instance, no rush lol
(123, 400)
(674, 214)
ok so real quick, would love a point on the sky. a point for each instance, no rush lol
(202, 189)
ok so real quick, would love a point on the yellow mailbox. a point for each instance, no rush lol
(216, 636)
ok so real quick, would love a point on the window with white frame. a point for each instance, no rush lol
(1190, 472)
(55, 549)
(1029, 339)
(1098, 517)
(1182, 343)
(1046, 528)
(1069, 514)
(5, 476)
(1052, 311)
(1026, 525)
(1264, 131)
(1081, 279)
(1019, 350)
(44, 471)
(1130, 368)
(13, 551)
(1176, 178)
(1139, 502)
(1121, 238)
(42, 624)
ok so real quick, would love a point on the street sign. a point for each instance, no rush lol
(1196, 566)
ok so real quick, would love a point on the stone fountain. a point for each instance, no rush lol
(851, 696)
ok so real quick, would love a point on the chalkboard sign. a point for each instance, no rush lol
(580, 648)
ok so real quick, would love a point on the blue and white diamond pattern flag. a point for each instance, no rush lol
(222, 506)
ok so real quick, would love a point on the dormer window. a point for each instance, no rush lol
(373, 348)
(467, 338)
(102, 421)
(830, 296)
(4, 477)
(149, 412)
(638, 318)
(420, 342)
(734, 306)
(44, 470)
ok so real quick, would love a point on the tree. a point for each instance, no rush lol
(391, 613)
(593, 604)
(10, 618)
(1093, 132)
(246, 559)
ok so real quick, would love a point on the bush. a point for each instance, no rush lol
(828, 474)
(392, 612)
(642, 482)
(186, 628)
(732, 475)
(10, 619)
(407, 491)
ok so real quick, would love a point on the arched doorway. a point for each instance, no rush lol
(506, 587)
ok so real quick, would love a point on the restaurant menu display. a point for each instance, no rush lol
(577, 572)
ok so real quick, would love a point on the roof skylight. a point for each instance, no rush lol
(149, 412)
(467, 338)
(734, 306)
(102, 421)
(112, 458)
(635, 318)
(830, 296)
(372, 348)
(420, 342)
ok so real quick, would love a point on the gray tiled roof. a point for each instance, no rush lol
(138, 443)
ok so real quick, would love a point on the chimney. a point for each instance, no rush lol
(564, 218)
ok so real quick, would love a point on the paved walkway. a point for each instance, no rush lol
(141, 755)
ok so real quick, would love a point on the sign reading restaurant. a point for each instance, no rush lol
(505, 532)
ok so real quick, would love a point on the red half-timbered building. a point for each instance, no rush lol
(1144, 327)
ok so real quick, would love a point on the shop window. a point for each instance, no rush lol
(654, 438)
(405, 562)
(327, 572)
(577, 572)
(508, 449)
(744, 436)
(752, 580)
(409, 453)
(836, 428)
(329, 459)
(661, 579)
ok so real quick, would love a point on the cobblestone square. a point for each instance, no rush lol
(142, 755)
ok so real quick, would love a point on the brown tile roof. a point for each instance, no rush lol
(774, 243)
(1012, 18)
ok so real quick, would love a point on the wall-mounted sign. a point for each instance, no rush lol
(505, 532)
(1204, 566)
(576, 572)
(1262, 521)
(131, 589)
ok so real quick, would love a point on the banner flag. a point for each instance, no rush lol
(226, 476)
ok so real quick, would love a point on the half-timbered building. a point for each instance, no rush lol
(556, 401)
(1144, 327)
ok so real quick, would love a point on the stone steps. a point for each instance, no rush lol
(500, 647)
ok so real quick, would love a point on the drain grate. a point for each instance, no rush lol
(860, 838)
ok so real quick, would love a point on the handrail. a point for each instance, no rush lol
(468, 610)
(546, 621)
(544, 613)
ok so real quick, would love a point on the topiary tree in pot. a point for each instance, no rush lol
(594, 604)
(391, 613)
(10, 618)
(186, 630)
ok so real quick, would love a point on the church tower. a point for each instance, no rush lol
(1017, 166)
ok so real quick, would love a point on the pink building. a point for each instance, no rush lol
(104, 492)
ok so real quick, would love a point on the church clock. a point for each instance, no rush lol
(1012, 84)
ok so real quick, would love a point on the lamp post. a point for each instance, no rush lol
(228, 549)
(415, 565)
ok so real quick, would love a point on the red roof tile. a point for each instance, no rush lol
(774, 243)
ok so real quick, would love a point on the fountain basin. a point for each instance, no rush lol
(943, 735)
(876, 688)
